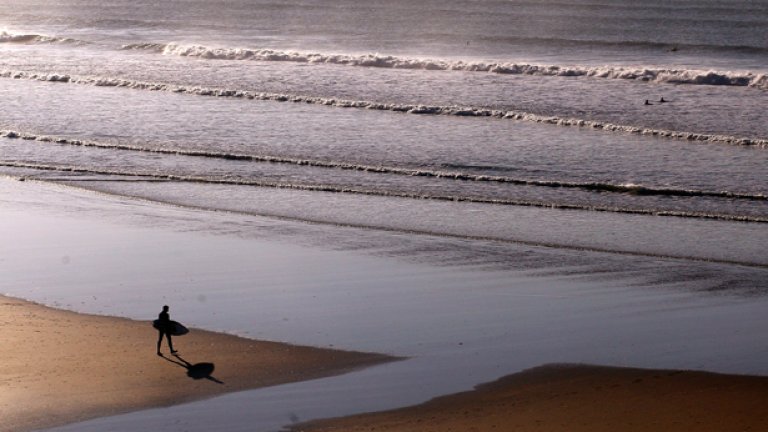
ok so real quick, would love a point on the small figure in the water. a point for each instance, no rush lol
(647, 102)
(164, 329)
(662, 100)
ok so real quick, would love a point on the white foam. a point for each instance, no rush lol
(7, 37)
(656, 75)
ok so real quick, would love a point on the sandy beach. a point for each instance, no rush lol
(59, 367)
(582, 398)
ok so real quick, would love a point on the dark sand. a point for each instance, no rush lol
(58, 367)
(582, 398)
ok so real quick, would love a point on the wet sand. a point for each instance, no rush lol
(59, 367)
(582, 398)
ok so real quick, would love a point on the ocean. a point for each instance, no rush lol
(607, 138)
(487, 106)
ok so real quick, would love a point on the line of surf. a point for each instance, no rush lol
(454, 110)
(655, 75)
(383, 169)
(20, 38)
(372, 192)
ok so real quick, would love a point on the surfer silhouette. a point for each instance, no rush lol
(164, 329)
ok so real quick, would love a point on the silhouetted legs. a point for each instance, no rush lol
(160, 341)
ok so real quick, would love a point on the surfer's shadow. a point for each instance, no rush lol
(195, 371)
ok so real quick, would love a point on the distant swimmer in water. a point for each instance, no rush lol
(662, 100)
(647, 102)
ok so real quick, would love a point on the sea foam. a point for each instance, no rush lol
(647, 74)
(6, 37)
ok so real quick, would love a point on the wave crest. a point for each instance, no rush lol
(6, 37)
(656, 75)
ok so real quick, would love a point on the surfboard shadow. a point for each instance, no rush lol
(195, 371)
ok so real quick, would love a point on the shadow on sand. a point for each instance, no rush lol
(195, 371)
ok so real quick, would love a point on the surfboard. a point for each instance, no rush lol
(177, 329)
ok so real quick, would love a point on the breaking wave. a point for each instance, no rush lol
(655, 75)
(453, 110)
(394, 170)
(6, 37)
(154, 176)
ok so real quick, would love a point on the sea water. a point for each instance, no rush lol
(509, 134)
(497, 103)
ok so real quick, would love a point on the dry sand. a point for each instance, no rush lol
(58, 367)
(582, 398)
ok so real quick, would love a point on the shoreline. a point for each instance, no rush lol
(567, 397)
(121, 257)
(60, 367)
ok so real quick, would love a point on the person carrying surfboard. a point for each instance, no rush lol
(164, 329)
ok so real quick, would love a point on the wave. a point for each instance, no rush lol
(453, 110)
(634, 189)
(655, 75)
(6, 37)
(382, 193)
(145, 46)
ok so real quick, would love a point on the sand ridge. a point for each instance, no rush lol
(573, 398)
(59, 367)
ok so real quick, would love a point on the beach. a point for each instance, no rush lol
(50, 352)
(61, 367)
(582, 398)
